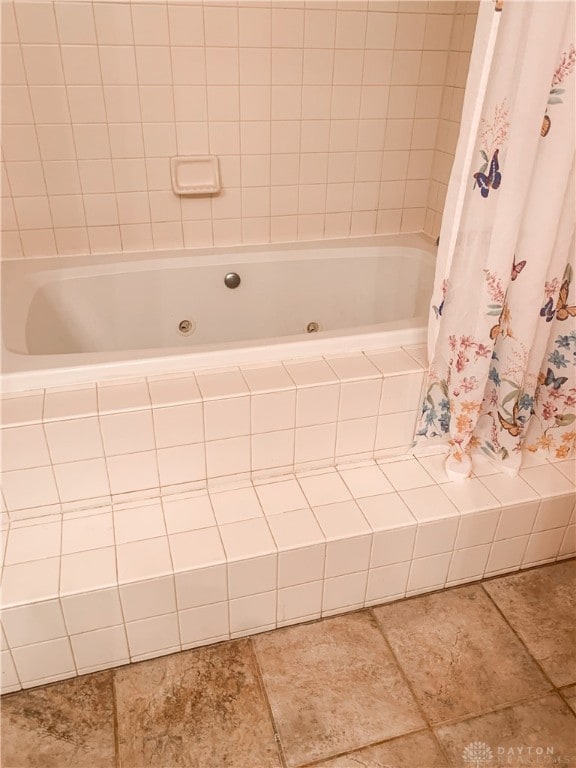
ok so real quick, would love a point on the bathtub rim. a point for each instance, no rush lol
(20, 372)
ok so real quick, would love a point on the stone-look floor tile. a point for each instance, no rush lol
(541, 607)
(514, 736)
(405, 752)
(569, 694)
(459, 654)
(202, 708)
(333, 687)
(69, 723)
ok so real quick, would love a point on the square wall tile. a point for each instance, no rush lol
(29, 488)
(401, 393)
(154, 634)
(181, 464)
(324, 488)
(359, 399)
(516, 520)
(543, 546)
(86, 571)
(144, 599)
(100, 649)
(196, 549)
(506, 555)
(78, 480)
(554, 512)
(87, 532)
(303, 600)
(188, 513)
(343, 592)
(202, 586)
(228, 417)
(429, 572)
(317, 443)
(281, 496)
(273, 411)
(387, 582)
(133, 472)
(24, 448)
(251, 576)
(30, 582)
(178, 425)
(468, 564)
(234, 505)
(146, 559)
(44, 660)
(34, 623)
(436, 537)
(33, 542)
(317, 405)
(273, 450)
(92, 610)
(247, 539)
(301, 565)
(253, 612)
(136, 523)
(204, 623)
(74, 440)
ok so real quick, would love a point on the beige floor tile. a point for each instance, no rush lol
(541, 606)
(66, 724)
(569, 694)
(521, 735)
(458, 653)
(333, 686)
(417, 749)
(202, 708)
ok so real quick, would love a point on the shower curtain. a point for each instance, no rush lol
(502, 330)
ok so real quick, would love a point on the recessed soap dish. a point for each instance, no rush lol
(195, 175)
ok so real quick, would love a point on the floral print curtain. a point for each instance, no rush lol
(502, 331)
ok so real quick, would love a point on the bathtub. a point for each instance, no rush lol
(72, 320)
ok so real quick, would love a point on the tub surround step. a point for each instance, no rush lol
(65, 450)
(93, 589)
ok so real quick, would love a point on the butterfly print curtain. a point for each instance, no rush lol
(502, 330)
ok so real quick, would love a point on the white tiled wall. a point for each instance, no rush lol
(450, 110)
(329, 118)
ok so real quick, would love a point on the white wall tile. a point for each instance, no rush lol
(303, 600)
(202, 586)
(143, 599)
(251, 576)
(100, 649)
(387, 582)
(428, 572)
(204, 623)
(92, 610)
(43, 660)
(33, 542)
(29, 488)
(344, 592)
(253, 612)
(34, 623)
(154, 634)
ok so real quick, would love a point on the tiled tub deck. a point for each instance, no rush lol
(92, 582)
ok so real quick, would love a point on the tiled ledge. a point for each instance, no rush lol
(64, 450)
(86, 591)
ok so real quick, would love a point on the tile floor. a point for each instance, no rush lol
(490, 667)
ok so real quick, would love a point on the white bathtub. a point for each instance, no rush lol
(92, 318)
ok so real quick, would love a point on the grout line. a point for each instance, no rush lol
(516, 632)
(264, 691)
(115, 717)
